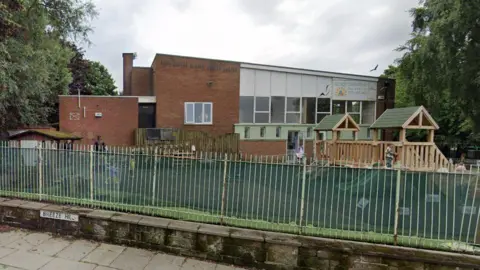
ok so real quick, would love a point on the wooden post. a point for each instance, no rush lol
(431, 135)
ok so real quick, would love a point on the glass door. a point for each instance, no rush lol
(293, 141)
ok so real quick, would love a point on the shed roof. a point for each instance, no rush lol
(401, 117)
(52, 134)
(335, 121)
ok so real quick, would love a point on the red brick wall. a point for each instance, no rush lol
(116, 126)
(270, 148)
(182, 79)
(141, 81)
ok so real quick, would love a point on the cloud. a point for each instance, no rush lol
(338, 35)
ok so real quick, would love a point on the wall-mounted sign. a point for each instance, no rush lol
(354, 90)
(98, 114)
(59, 215)
(75, 116)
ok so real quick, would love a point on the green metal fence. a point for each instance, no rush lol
(419, 209)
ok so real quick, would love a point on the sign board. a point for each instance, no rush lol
(98, 114)
(404, 211)
(469, 210)
(362, 203)
(433, 198)
(354, 90)
(59, 215)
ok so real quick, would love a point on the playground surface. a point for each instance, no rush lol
(25, 250)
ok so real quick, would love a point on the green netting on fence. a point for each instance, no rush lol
(436, 206)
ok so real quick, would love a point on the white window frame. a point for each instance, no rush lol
(203, 112)
(359, 113)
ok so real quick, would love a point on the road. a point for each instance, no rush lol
(26, 250)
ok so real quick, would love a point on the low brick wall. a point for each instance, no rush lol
(241, 247)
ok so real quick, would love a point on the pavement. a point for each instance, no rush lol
(26, 250)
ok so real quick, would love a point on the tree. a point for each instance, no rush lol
(441, 63)
(88, 77)
(34, 65)
(99, 81)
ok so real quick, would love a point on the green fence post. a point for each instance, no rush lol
(397, 207)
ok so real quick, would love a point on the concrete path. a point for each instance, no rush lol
(25, 250)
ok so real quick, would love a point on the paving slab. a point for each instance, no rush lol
(25, 260)
(59, 263)
(104, 254)
(77, 250)
(191, 264)
(165, 261)
(100, 267)
(6, 251)
(11, 236)
(132, 259)
(51, 247)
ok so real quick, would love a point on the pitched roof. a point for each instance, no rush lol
(53, 134)
(398, 117)
(332, 122)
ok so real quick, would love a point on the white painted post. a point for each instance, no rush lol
(224, 191)
(91, 173)
(154, 176)
(397, 208)
(302, 202)
(40, 171)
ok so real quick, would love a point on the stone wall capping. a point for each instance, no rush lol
(13, 203)
(126, 218)
(56, 208)
(246, 234)
(183, 226)
(155, 222)
(33, 205)
(101, 214)
(81, 211)
(215, 230)
(282, 239)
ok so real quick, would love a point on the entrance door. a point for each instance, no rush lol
(293, 141)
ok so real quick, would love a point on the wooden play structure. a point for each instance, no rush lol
(418, 156)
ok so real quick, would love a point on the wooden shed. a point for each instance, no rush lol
(50, 137)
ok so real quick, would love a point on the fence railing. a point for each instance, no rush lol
(420, 209)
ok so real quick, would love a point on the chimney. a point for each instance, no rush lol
(127, 73)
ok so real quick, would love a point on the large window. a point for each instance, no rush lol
(198, 113)
(308, 110)
(293, 110)
(323, 108)
(277, 110)
(368, 112)
(353, 108)
(262, 109)
(246, 109)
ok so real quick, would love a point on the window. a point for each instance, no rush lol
(308, 110)
(323, 108)
(338, 107)
(262, 109)
(246, 109)
(309, 132)
(293, 110)
(278, 131)
(354, 108)
(198, 113)
(262, 132)
(277, 110)
(368, 112)
(246, 132)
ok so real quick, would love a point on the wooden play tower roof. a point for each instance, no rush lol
(405, 118)
(337, 122)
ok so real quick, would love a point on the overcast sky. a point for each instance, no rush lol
(336, 35)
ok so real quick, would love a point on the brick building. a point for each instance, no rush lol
(268, 106)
